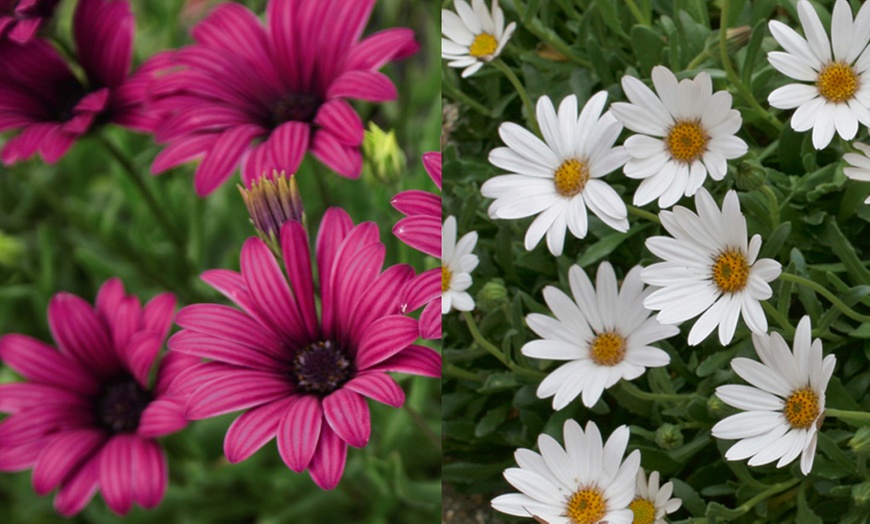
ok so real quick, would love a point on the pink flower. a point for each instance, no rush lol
(421, 229)
(301, 379)
(260, 97)
(20, 20)
(42, 98)
(87, 417)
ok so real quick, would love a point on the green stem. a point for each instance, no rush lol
(549, 37)
(769, 492)
(744, 91)
(420, 422)
(496, 352)
(699, 59)
(818, 288)
(860, 418)
(450, 91)
(632, 6)
(521, 90)
(156, 209)
(636, 392)
(643, 213)
(773, 204)
(456, 372)
(778, 317)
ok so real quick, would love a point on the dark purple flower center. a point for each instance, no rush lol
(120, 405)
(321, 368)
(295, 107)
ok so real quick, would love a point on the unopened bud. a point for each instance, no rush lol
(11, 249)
(861, 494)
(737, 37)
(493, 295)
(749, 175)
(860, 443)
(669, 437)
(384, 159)
(272, 201)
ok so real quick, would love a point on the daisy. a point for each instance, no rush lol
(457, 263)
(651, 503)
(709, 268)
(21, 20)
(838, 95)
(421, 229)
(559, 177)
(686, 131)
(859, 165)
(475, 35)
(87, 416)
(785, 403)
(299, 376)
(587, 482)
(604, 332)
(261, 97)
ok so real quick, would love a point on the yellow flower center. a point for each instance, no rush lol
(644, 511)
(446, 276)
(687, 140)
(484, 45)
(571, 177)
(587, 506)
(837, 82)
(802, 408)
(731, 271)
(608, 349)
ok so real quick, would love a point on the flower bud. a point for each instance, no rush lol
(750, 175)
(860, 443)
(493, 295)
(384, 159)
(272, 201)
(669, 437)
(11, 249)
(861, 494)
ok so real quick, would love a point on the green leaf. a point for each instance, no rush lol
(491, 421)
(647, 45)
(715, 362)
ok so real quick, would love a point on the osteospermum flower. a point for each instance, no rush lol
(709, 268)
(651, 503)
(559, 178)
(604, 333)
(457, 262)
(859, 165)
(587, 482)
(87, 416)
(20, 20)
(297, 377)
(421, 229)
(785, 403)
(838, 95)
(44, 100)
(261, 97)
(475, 34)
(686, 131)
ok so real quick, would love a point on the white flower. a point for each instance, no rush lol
(709, 268)
(558, 178)
(859, 165)
(457, 263)
(474, 36)
(587, 482)
(785, 403)
(651, 503)
(604, 333)
(838, 94)
(685, 131)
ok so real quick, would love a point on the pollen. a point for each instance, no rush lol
(687, 140)
(802, 408)
(484, 46)
(446, 277)
(586, 506)
(607, 349)
(731, 271)
(837, 82)
(644, 511)
(570, 178)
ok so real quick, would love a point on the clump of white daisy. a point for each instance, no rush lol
(651, 503)
(457, 263)
(475, 34)
(709, 268)
(859, 165)
(685, 132)
(785, 404)
(837, 96)
(558, 178)
(604, 332)
(585, 483)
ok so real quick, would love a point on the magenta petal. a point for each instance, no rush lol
(257, 162)
(348, 415)
(56, 144)
(432, 163)
(41, 420)
(77, 491)
(384, 338)
(381, 298)
(300, 431)
(378, 386)
(253, 429)
(152, 473)
(141, 352)
(158, 314)
(127, 322)
(19, 395)
(63, 454)
(27, 143)
(161, 417)
(236, 391)
(42, 363)
(178, 153)
(232, 285)
(20, 457)
(335, 226)
(327, 465)
(172, 365)
(345, 161)
(370, 86)
(351, 277)
(193, 377)
(109, 299)
(25, 30)
(414, 360)
(420, 232)
(430, 320)
(375, 51)
(103, 33)
(416, 202)
(80, 334)
(422, 289)
(288, 144)
(205, 346)
(342, 121)
(116, 473)
(223, 158)
(93, 102)
(229, 324)
(297, 262)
